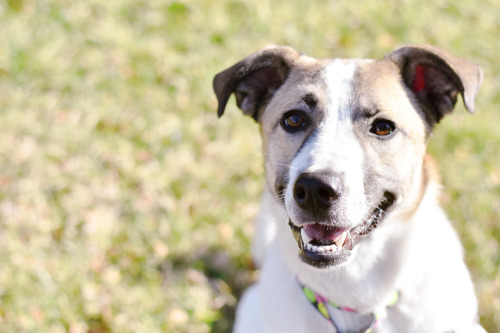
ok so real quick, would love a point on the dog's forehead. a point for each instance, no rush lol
(364, 81)
(328, 81)
(349, 85)
(339, 76)
(329, 74)
(379, 84)
(315, 82)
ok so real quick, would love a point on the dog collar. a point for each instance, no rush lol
(321, 303)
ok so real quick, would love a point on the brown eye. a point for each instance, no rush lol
(293, 121)
(383, 127)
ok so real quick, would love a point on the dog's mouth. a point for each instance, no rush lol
(323, 245)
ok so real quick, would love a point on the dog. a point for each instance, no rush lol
(350, 236)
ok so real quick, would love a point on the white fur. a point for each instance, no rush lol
(425, 253)
(430, 260)
(334, 146)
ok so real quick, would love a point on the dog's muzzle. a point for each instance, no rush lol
(323, 244)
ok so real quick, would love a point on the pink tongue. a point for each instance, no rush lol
(323, 233)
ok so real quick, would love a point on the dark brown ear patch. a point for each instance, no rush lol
(436, 78)
(254, 79)
(256, 88)
(436, 90)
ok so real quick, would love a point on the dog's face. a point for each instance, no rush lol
(344, 140)
(337, 150)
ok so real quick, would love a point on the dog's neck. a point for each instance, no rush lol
(364, 287)
(344, 318)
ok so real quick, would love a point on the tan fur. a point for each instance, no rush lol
(413, 249)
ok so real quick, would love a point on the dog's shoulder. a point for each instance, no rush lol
(436, 279)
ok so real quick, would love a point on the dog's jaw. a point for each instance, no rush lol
(324, 245)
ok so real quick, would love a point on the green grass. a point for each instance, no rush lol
(127, 206)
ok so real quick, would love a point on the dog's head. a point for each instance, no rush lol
(345, 140)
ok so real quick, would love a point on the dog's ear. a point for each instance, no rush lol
(436, 77)
(254, 79)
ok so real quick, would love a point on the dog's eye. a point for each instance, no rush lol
(293, 121)
(383, 127)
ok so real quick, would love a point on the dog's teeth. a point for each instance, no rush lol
(321, 248)
(340, 241)
(305, 238)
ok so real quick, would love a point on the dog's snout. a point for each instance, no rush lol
(317, 192)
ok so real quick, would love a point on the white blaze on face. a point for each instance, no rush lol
(334, 146)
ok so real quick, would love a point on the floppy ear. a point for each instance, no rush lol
(436, 77)
(255, 79)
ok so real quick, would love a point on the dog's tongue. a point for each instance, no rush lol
(324, 233)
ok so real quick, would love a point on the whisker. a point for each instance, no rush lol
(285, 219)
(270, 204)
(288, 166)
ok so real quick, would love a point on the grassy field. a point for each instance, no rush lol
(127, 206)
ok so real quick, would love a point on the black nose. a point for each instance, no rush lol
(317, 192)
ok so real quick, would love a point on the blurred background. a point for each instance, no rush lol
(127, 206)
